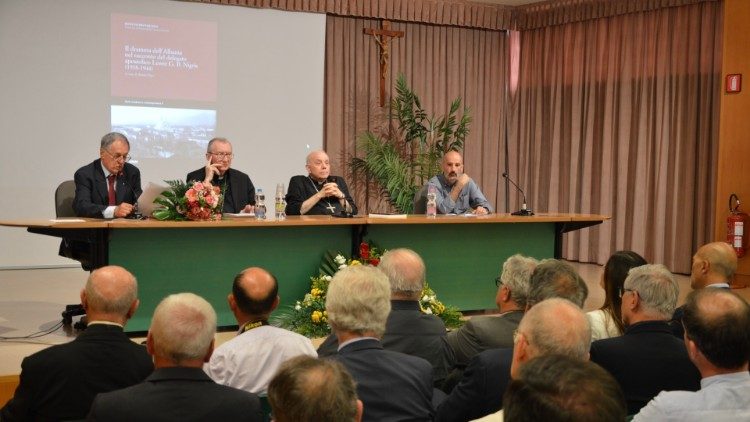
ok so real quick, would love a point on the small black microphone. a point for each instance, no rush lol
(523, 211)
(135, 215)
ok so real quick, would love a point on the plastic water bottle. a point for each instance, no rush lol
(260, 205)
(431, 201)
(280, 203)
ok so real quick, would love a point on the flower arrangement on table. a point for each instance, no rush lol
(308, 316)
(196, 201)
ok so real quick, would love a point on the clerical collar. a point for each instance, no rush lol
(253, 324)
(317, 183)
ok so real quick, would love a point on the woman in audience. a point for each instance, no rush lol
(607, 322)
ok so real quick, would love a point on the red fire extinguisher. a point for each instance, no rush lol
(737, 227)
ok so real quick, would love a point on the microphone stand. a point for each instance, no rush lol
(525, 212)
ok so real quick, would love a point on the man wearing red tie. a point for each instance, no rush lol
(108, 187)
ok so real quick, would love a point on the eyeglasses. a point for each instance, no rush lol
(499, 281)
(222, 155)
(118, 157)
(623, 290)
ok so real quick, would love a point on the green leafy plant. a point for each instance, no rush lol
(403, 161)
(172, 202)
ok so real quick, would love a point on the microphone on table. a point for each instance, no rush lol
(135, 215)
(523, 211)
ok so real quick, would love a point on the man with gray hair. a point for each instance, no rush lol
(647, 358)
(181, 339)
(392, 385)
(489, 332)
(60, 382)
(306, 389)
(480, 390)
(407, 329)
(239, 192)
(108, 187)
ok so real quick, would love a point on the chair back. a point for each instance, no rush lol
(64, 195)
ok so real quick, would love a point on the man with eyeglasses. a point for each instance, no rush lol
(647, 358)
(238, 189)
(108, 187)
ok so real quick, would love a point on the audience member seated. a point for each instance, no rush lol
(318, 193)
(250, 360)
(60, 382)
(717, 335)
(407, 329)
(239, 192)
(313, 390)
(713, 266)
(480, 391)
(180, 339)
(456, 192)
(490, 332)
(392, 385)
(647, 358)
(556, 388)
(606, 321)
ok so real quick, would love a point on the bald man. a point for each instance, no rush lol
(713, 266)
(319, 193)
(60, 382)
(251, 359)
(456, 191)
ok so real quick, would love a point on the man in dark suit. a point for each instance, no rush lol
(181, 339)
(480, 390)
(60, 382)
(407, 329)
(647, 358)
(391, 385)
(713, 266)
(490, 332)
(306, 389)
(238, 189)
(318, 193)
(108, 187)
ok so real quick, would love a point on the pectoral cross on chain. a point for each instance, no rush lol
(383, 37)
(331, 208)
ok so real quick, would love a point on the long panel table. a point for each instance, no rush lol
(463, 254)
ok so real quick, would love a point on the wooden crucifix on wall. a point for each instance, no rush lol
(383, 37)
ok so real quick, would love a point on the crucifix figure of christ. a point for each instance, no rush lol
(383, 37)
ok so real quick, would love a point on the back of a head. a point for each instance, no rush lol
(557, 388)
(555, 278)
(557, 326)
(111, 290)
(358, 300)
(721, 256)
(657, 289)
(516, 275)
(718, 321)
(255, 291)
(306, 389)
(405, 271)
(617, 267)
(183, 327)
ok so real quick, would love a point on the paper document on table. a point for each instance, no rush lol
(371, 215)
(67, 220)
(239, 215)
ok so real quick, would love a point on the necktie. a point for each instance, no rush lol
(111, 189)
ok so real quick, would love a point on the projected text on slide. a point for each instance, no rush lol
(163, 79)
(163, 58)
